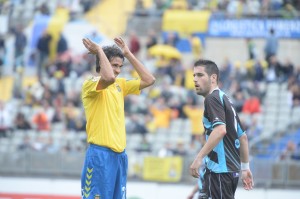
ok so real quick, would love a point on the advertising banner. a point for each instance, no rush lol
(254, 28)
(168, 169)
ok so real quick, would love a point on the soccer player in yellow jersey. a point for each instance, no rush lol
(104, 173)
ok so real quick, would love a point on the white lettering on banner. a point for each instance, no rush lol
(253, 28)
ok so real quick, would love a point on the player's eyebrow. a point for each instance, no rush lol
(198, 74)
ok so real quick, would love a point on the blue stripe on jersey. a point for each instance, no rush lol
(222, 159)
(221, 166)
(217, 123)
(207, 124)
(201, 179)
(240, 132)
(221, 93)
(233, 160)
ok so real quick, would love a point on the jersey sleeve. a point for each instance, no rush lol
(132, 86)
(240, 129)
(89, 87)
(215, 110)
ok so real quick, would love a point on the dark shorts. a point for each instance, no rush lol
(221, 185)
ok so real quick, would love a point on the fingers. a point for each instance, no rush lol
(84, 41)
(194, 172)
(90, 45)
(87, 43)
(119, 41)
(248, 183)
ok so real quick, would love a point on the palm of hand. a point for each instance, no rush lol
(91, 46)
(119, 41)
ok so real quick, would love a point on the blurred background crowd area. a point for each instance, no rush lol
(43, 65)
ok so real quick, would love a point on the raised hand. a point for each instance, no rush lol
(120, 42)
(92, 47)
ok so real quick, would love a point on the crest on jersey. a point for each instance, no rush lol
(237, 143)
(118, 87)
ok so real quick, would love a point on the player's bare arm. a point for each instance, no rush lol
(147, 79)
(106, 72)
(215, 137)
(246, 177)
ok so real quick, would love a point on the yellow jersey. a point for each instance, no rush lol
(104, 111)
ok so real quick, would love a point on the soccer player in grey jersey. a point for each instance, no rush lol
(226, 150)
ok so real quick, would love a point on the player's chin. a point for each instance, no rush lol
(198, 92)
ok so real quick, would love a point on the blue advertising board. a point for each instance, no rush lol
(254, 28)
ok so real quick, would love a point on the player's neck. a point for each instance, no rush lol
(213, 88)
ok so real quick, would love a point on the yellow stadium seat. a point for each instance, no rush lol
(147, 3)
(184, 21)
(179, 4)
(29, 80)
(110, 23)
(55, 27)
(6, 88)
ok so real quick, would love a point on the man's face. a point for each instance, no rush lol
(117, 64)
(202, 81)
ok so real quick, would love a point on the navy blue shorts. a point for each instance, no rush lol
(104, 174)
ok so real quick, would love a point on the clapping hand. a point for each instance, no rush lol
(92, 47)
(120, 42)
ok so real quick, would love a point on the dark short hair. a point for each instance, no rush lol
(209, 66)
(110, 52)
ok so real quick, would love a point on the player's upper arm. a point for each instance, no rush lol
(104, 83)
(145, 84)
(243, 138)
(220, 129)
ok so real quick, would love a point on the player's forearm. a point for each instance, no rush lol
(106, 71)
(142, 71)
(215, 137)
(244, 151)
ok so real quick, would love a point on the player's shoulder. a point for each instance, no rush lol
(132, 79)
(213, 95)
(125, 80)
(93, 78)
(90, 81)
(122, 79)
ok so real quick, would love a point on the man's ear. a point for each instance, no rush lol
(213, 78)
